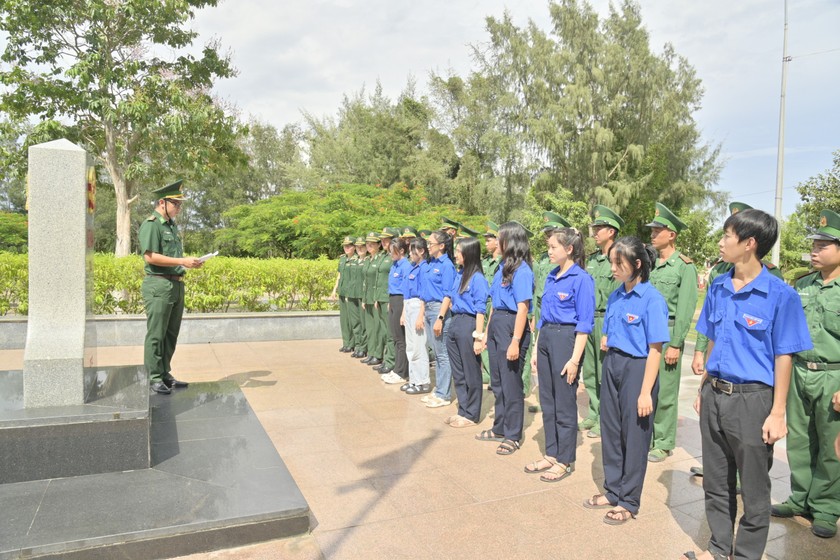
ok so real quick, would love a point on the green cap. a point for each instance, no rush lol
(735, 207)
(372, 237)
(606, 217)
(449, 224)
(425, 233)
(170, 191)
(492, 229)
(829, 229)
(388, 232)
(348, 240)
(408, 232)
(528, 232)
(360, 240)
(553, 220)
(467, 232)
(665, 218)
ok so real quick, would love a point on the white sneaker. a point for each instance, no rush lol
(436, 402)
(392, 379)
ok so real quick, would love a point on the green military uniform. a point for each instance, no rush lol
(371, 322)
(598, 266)
(389, 357)
(676, 279)
(489, 265)
(355, 266)
(343, 306)
(382, 266)
(812, 422)
(162, 289)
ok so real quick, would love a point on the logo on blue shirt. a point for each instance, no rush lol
(562, 295)
(631, 317)
(752, 321)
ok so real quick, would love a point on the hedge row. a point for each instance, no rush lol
(222, 284)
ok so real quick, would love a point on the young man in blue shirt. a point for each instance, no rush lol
(755, 324)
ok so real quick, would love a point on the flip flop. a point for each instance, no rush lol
(625, 517)
(488, 435)
(590, 503)
(461, 422)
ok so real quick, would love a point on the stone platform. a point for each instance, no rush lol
(216, 481)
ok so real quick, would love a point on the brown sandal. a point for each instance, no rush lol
(534, 468)
(558, 472)
(624, 517)
(592, 503)
(507, 447)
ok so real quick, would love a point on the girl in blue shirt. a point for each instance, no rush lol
(508, 337)
(467, 298)
(567, 316)
(412, 320)
(635, 326)
(396, 287)
(440, 273)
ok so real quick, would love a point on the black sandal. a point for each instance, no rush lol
(507, 447)
(488, 435)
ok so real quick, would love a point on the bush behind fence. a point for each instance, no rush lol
(222, 284)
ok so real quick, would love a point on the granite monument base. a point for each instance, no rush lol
(108, 433)
(216, 481)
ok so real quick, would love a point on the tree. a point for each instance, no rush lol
(91, 71)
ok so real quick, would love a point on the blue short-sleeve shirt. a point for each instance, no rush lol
(438, 278)
(520, 289)
(636, 319)
(474, 299)
(751, 327)
(398, 277)
(414, 280)
(569, 299)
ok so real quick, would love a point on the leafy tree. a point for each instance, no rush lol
(92, 71)
(14, 232)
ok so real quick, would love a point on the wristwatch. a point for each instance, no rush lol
(440, 318)
(478, 335)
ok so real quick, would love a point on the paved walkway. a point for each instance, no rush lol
(386, 478)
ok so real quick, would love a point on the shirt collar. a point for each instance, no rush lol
(761, 283)
(639, 289)
(574, 270)
(442, 258)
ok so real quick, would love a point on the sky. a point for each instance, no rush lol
(305, 55)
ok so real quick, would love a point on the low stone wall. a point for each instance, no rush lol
(197, 328)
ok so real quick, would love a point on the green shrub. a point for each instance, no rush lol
(221, 285)
(791, 275)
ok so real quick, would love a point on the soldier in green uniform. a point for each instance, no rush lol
(424, 233)
(357, 317)
(675, 277)
(489, 265)
(720, 267)
(373, 326)
(388, 358)
(605, 228)
(450, 227)
(163, 286)
(340, 289)
(813, 403)
(382, 269)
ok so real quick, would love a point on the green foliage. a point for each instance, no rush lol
(794, 273)
(306, 224)
(818, 193)
(793, 243)
(14, 232)
(222, 284)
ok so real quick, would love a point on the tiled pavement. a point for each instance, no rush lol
(386, 478)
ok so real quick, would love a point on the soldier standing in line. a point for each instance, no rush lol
(357, 314)
(605, 229)
(375, 342)
(675, 277)
(388, 358)
(813, 404)
(382, 264)
(340, 289)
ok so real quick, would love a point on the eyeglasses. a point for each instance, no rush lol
(175, 203)
(434, 243)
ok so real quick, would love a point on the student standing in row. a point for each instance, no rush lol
(675, 277)
(566, 319)
(813, 404)
(341, 289)
(467, 299)
(508, 337)
(356, 268)
(755, 324)
(490, 264)
(419, 381)
(605, 230)
(635, 327)
(437, 279)
(396, 289)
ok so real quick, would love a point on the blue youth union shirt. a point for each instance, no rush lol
(438, 278)
(634, 320)
(569, 299)
(474, 298)
(751, 327)
(398, 276)
(414, 280)
(519, 290)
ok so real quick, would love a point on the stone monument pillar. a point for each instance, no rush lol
(60, 273)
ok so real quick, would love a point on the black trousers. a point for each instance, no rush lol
(625, 437)
(558, 399)
(730, 428)
(506, 375)
(466, 366)
(395, 309)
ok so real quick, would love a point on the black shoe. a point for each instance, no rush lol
(343, 349)
(160, 388)
(368, 360)
(374, 362)
(173, 383)
(355, 354)
(405, 386)
(383, 369)
(364, 357)
(418, 389)
(348, 349)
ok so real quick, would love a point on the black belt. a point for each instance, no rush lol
(396, 295)
(464, 314)
(728, 388)
(557, 325)
(599, 314)
(819, 366)
(504, 311)
(173, 277)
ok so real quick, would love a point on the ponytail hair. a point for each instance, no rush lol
(632, 249)
(571, 237)
(446, 241)
(471, 252)
(399, 246)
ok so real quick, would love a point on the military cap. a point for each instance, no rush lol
(408, 232)
(348, 240)
(554, 220)
(528, 232)
(606, 217)
(735, 207)
(425, 233)
(467, 232)
(360, 240)
(372, 237)
(389, 232)
(492, 229)
(449, 224)
(829, 229)
(172, 191)
(665, 218)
